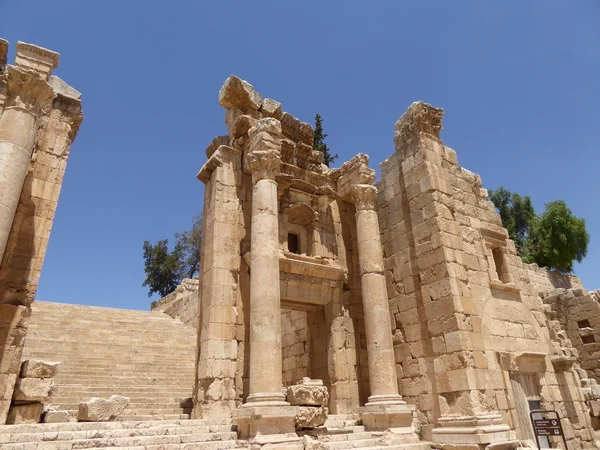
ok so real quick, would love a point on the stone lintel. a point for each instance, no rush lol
(218, 158)
(352, 172)
(419, 118)
(268, 423)
(512, 361)
(215, 144)
(3, 51)
(38, 59)
(63, 88)
(296, 130)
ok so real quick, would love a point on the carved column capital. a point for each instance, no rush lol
(364, 196)
(419, 118)
(263, 157)
(262, 164)
(27, 91)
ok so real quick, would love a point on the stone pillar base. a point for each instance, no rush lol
(399, 419)
(270, 424)
(474, 432)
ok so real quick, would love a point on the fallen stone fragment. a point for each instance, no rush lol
(29, 390)
(311, 416)
(308, 393)
(101, 409)
(35, 368)
(30, 413)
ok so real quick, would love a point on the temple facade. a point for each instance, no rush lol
(331, 311)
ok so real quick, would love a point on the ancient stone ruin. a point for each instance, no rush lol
(331, 311)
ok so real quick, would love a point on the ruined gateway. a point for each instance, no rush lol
(331, 312)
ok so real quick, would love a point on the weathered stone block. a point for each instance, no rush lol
(311, 416)
(307, 394)
(101, 409)
(32, 390)
(35, 368)
(240, 93)
(60, 416)
(30, 413)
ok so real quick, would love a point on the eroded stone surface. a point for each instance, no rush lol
(52, 416)
(239, 93)
(311, 416)
(101, 409)
(32, 390)
(35, 368)
(22, 414)
(308, 395)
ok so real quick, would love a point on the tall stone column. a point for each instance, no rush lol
(265, 410)
(385, 408)
(26, 94)
(380, 350)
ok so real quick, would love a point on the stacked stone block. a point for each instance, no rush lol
(578, 312)
(39, 118)
(311, 397)
(182, 303)
(32, 390)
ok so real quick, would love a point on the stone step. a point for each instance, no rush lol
(146, 356)
(125, 425)
(217, 441)
(119, 433)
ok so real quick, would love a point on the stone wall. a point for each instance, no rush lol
(182, 303)
(470, 331)
(40, 116)
(578, 312)
(295, 342)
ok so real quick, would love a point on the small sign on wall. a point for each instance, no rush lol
(546, 423)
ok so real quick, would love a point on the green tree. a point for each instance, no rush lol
(557, 238)
(517, 213)
(164, 268)
(319, 142)
(190, 243)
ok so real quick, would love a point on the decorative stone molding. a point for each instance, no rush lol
(263, 159)
(419, 118)
(262, 164)
(355, 171)
(219, 157)
(364, 196)
(27, 91)
(38, 59)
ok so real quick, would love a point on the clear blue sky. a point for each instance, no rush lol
(519, 81)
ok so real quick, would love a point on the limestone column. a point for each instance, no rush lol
(26, 94)
(380, 350)
(265, 371)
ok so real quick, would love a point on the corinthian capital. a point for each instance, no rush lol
(419, 118)
(262, 164)
(263, 157)
(364, 196)
(27, 90)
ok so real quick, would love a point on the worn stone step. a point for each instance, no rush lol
(119, 433)
(134, 424)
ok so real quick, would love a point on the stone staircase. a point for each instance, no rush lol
(138, 435)
(176, 435)
(146, 356)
